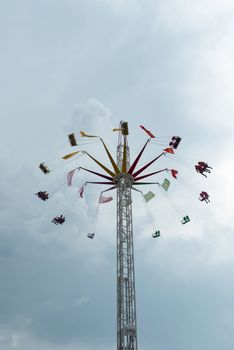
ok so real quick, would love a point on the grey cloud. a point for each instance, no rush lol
(87, 65)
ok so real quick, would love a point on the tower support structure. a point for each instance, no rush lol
(126, 296)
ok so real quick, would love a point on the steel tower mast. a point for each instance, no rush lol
(126, 296)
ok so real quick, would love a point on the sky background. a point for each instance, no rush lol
(67, 66)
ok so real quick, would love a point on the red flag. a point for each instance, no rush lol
(174, 173)
(70, 176)
(147, 131)
(169, 150)
(104, 199)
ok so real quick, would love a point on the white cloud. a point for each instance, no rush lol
(22, 340)
(182, 14)
(121, 7)
(211, 104)
(92, 115)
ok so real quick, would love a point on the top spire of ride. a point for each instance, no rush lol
(123, 128)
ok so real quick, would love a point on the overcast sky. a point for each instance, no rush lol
(67, 66)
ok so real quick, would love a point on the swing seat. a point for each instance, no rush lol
(43, 195)
(156, 234)
(55, 221)
(175, 140)
(44, 168)
(72, 139)
(90, 235)
(185, 220)
(58, 220)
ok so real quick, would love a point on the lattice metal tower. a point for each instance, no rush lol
(126, 296)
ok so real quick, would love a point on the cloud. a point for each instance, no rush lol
(39, 261)
(85, 66)
(92, 115)
(22, 340)
(131, 8)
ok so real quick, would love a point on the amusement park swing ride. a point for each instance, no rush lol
(124, 176)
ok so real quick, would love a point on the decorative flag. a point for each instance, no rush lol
(148, 196)
(67, 156)
(70, 176)
(147, 131)
(83, 134)
(174, 173)
(81, 190)
(169, 150)
(166, 184)
(103, 199)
